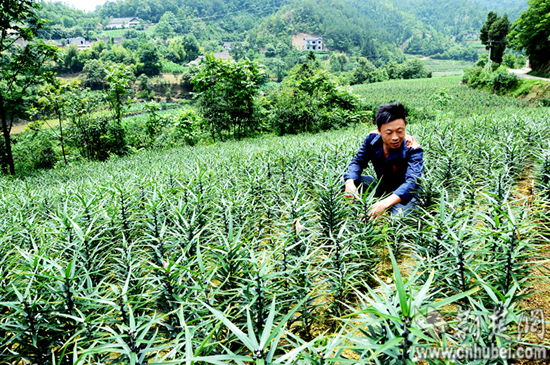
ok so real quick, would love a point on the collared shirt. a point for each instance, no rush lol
(397, 173)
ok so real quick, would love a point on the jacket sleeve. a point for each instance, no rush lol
(415, 166)
(361, 160)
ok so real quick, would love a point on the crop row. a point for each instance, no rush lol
(247, 252)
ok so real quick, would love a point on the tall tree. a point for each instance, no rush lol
(227, 94)
(149, 59)
(531, 33)
(22, 56)
(493, 35)
(191, 46)
(54, 98)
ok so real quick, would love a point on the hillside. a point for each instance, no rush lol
(352, 26)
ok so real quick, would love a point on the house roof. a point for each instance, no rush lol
(115, 21)
(75, 40)
(313, 39)
(223, 55)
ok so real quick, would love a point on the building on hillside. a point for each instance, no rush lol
(469, 36)
(223, 55)
(314, 44)
(228, 45)
(79, 41)
(122, 23)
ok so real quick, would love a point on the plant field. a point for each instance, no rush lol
(446, 67)
(247, 252)
(441, 96)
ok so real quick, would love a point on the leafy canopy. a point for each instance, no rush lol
(531, 33)
(493, 35)
(227, 92)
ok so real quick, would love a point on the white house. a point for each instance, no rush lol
(119, 23)
(79, 41)
(314, 44)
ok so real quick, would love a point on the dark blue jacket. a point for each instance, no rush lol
(396, 174)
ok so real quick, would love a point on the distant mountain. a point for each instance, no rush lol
(512, 7)
(377, 29)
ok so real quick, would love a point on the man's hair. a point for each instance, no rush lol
(389, 112)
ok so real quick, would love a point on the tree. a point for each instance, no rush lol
(149, 59)
(531, 33)
(95, 74)
(71, 60)
(338, 61)
(176, 52)
(493, 35)
(20, 67)
(54, 98)
(311, 100)
(414, 69)
(164, 28)
(227, 93)
(278, 67)
(118, 78)
(191, 46)
(364, 73)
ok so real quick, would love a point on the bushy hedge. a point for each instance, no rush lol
(499, 81)
(310, 101)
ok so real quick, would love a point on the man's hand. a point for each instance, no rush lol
(409, 140)
(380, 207)
(350, 188)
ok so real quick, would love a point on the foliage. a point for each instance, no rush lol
(155, 122)
(149, 60)
(55, 98)
(191, 47)
(500, 81)
(531, 33)
(35, 149)
(118, 78)
(493, 35)
(246, 252)
(95, 74)
(96, 137)
(364, 73)
(310, 101)
(188, 127)
(227, 92)
(21, 67)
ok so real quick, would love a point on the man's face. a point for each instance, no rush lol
(393, 133)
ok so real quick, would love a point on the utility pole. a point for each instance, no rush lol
(489, 60)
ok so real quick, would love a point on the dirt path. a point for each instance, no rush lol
(523, 73)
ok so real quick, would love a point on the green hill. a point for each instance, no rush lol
(380, 30)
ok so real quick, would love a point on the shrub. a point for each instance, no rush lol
(35, 149)
(97, 138)
(311, 100)
(188, 127)
(502, 81)
(475, 77)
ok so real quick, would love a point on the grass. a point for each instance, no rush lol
(539, 74)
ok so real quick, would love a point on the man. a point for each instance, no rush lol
(397, 159)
